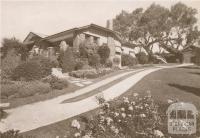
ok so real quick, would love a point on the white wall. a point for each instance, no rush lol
(130, 51)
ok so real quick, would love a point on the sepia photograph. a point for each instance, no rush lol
(100, 69)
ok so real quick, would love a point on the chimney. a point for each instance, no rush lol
(109, 24)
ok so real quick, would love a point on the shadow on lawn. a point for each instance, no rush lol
(195, 73)
(189, 89)
(190, 67)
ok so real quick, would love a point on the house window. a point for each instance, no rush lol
(96, 40)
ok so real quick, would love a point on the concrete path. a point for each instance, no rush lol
(40, 114)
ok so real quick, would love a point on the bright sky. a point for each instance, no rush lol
(18, 18)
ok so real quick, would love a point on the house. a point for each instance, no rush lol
(49, 45)
(188, 54)
(191, 54)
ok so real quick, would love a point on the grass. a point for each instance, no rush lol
(176, 83)
(160, 85)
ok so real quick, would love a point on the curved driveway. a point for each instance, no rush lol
(40, 114)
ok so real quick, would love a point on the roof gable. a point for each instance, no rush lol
(32, 37)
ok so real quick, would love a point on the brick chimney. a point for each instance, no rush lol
(109, 24)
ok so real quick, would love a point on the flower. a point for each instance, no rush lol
(133, 103)
(158, 133)
(86, 136)
(116, 114)
(123, 115)
(77, 134)
(115, 130)
(130, 108)
(135, 94)
(169, 101)
(122, 109)
(75, 124)
(125, 99)
(107, 105)
(102, 118)
(142, 115)
(108, 120)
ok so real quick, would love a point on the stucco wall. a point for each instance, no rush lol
(127, 50)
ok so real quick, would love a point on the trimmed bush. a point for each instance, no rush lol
(56, 83)
(90, 74)
(116, 60)
(108, 63)
(142, 58)
(67, 60)
(104, 52)
(87, 48)
(94, 60)
(34, 69)
(21, 89)
(9, 63)
(128, 60)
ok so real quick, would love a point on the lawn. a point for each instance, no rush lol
(177, 83)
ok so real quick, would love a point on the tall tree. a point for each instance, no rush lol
(168, 28)
(13, 44)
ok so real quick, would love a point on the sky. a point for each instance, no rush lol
(19, 17)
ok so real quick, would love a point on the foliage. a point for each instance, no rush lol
(67, 60)
(116, 61)
(91, 73)
(137, 117)
(169, 28)
(94, 60)
(142, 58)
(21, 89)
(79, 65)
(9, 63)
(134, 117)
(108, 63)
(56, 83)
(87, 48)
(128, 60)
(34, 69)
(104, 52)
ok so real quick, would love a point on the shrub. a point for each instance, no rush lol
(128, 60)
(142, 58)
(90, 74)
(9, 63)
(129, 118)
(88, 48)
(84, 73)
(34, 69)
(94, 60)
(104, 52)
(108, 63)
(67, 60)
(79, 65)
(56, 83)
(24, 89)
(116, 60)
(32, 88)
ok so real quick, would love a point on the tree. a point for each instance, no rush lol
(104, 53)
(13, 44)
(67, 60)
(170, 29)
